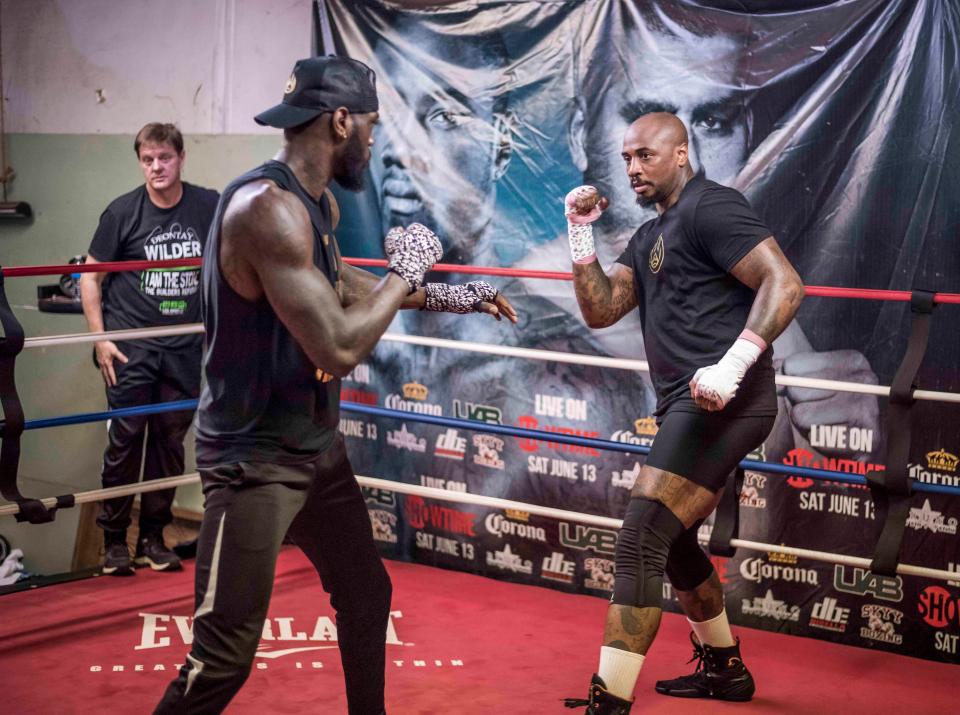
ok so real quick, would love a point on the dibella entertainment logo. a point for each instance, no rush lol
(166, 637)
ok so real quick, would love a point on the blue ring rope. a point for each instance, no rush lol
(823, 475)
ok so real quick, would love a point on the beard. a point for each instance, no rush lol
(351, 171)
(645, 203)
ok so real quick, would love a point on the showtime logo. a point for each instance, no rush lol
(420, 514)
(528, 444)
(808, 460)
(938, 607)
(363, 397)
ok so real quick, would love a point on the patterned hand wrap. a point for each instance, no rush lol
(411, 252)
(458, 298)
(581, 207)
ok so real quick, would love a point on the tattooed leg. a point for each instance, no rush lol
(703, 602)
(631, 629)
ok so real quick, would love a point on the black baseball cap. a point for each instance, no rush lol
(321, 84)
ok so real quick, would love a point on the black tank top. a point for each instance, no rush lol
(262, 399)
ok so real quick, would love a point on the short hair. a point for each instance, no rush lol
(158, 133)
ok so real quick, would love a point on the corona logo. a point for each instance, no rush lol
(943, 460)
(517, 515)
(776, 558)
(645, 425)
(415, 391)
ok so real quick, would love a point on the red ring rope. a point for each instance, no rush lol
(110, 267)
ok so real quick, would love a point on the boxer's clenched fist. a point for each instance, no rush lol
(458, 298)
(582, 206)
(714, 386)
(411, 252)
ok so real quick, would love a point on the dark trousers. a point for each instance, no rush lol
(249, 508)
(149, 376)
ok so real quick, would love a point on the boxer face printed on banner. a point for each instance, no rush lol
(445, 138)
(685, 74)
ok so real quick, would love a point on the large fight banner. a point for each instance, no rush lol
(839, 123)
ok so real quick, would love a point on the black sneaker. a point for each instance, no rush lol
(116, 560)
(720, 675)
(600, 702)
(152, 552)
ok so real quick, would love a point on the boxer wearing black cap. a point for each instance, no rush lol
(285, 319)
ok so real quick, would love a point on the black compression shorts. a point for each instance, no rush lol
(704, 447)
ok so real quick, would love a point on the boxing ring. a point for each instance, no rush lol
(453, 637)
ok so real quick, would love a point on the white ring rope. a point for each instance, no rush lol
(504, 350)
(497, 503)
(131, 334)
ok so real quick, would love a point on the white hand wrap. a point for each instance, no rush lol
(579, 230)
(411, 252)
(458, 298)
(718, 383)
(582, 249)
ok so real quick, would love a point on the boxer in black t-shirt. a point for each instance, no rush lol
(162, 219)
(713, 290)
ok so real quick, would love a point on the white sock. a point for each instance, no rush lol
(619, 670)
(715, 632)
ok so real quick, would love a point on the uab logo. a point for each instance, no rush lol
(588, 538)
(862, 582)
(478, 413)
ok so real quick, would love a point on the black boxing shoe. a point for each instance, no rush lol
(152, 552)
(720, 675)
(116, 559)
(600, 702)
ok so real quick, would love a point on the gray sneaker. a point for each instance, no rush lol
(152, 552)
(116, 560)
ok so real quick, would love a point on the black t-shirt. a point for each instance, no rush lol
(691, 308)
(132, 228)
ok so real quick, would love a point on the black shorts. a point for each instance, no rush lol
(704, 447)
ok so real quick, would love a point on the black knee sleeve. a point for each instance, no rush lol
(649, 530)
(688, 566)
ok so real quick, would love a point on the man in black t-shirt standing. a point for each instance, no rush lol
(713, 290)
(165, 218)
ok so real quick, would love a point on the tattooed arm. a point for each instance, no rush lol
(604, 298)
(778, 287)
